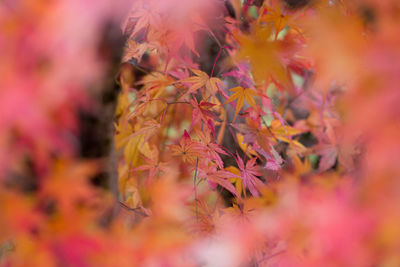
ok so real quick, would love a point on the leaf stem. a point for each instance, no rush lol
(216, 58)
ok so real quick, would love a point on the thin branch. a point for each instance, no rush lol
(135, 210)
(269, 129)
(271, 256)
(216, 58)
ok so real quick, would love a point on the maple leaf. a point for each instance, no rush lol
(275, 16)
(135, 50)
(122, 132)
(254, 133)
(209, 149)
(201, 79)
(249, 173)
(201, 112)
(220, 177)
(328, 157)
(262, 140)
(330, 149)
(244, 146)
(237, 180)
(154, 85)
(145, 15)
(212, 85)
(241, 74)
(274, 160)
(154, 166)
(148, 129)
(331, 152)
(301, 167)
(285, 133)
(182, 37)
(263, 54)
(204, 220)
(243, 210)
(186, 149)
(134, 142)
(241, 94)
(197, 81)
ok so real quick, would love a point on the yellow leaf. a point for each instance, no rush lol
(123, 175)
(133, 199)
(274, 15)
(136, 141)
(244, 146)
(236, 180)
(241, 94)
(124, 130)
(301, 167)
(201, 79)
(131, 150)
(298, 146)
(155, 84)
(211, 85)
(283, 132)
(123, 103)
(263, 54)
(146, 150)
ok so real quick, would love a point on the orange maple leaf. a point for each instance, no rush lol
(186, 149)
(263, 54)
(280, 20)
(201, 79)
(241, 94)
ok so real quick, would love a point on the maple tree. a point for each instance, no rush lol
(244, 133)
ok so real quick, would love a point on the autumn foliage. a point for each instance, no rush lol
(245, 133)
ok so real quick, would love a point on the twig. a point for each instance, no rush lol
(135, 210)
(271, 256)
(269, 130)
(216, 58)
